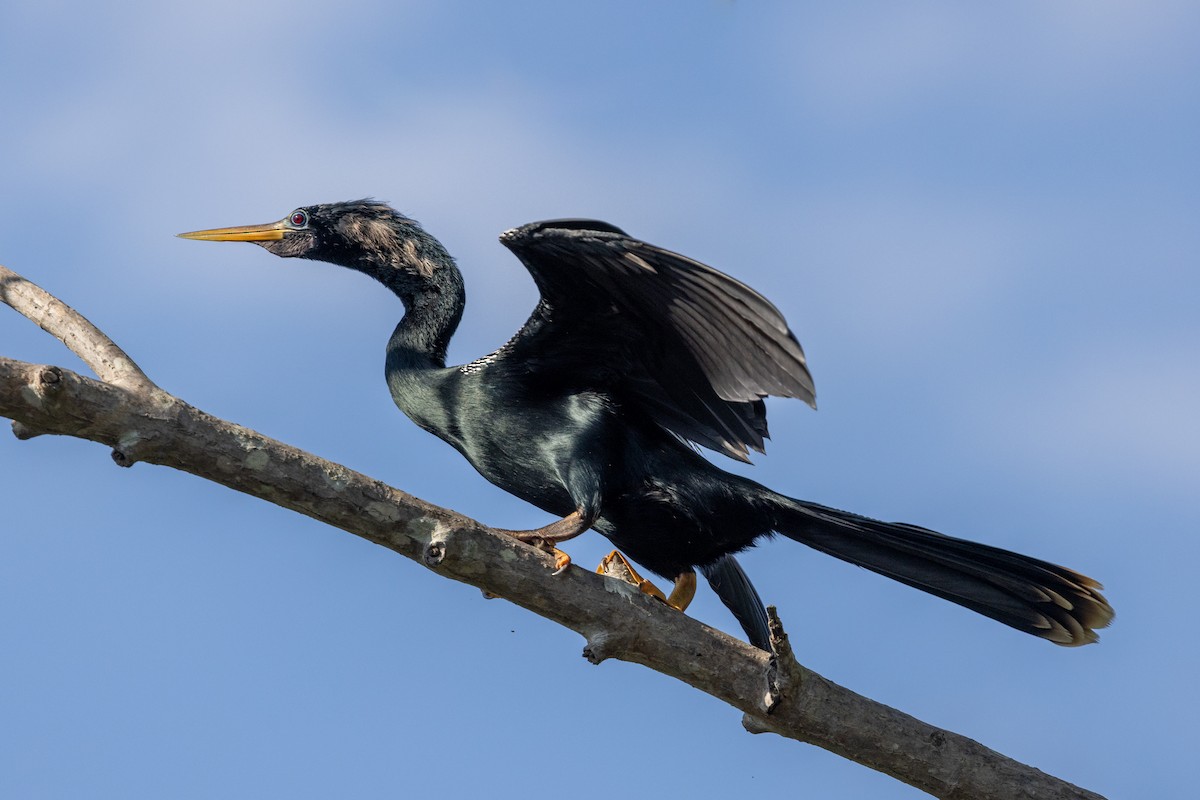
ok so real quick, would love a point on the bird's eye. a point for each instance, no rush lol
(299, 218)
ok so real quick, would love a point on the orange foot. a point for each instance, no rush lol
(561, 561)
(548, 536)
(617, 566)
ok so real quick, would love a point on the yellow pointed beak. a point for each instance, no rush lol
(246, 233)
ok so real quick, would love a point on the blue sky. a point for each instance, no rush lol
(981, 222)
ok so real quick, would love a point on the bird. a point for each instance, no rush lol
(596, 410)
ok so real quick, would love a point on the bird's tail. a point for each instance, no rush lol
(1026, 593)
(730, 583)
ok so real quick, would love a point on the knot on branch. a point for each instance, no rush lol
(44, 385)
(754, 724)
(24, 432)
(602, 645)
(131, 448)
(50, 378)
(434, 554)
(438, 544)
(783, 671)
(606, 643)
(783, 675)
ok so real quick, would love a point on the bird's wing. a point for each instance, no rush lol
(694, 348)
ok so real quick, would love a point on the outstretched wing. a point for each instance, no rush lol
(695, 349)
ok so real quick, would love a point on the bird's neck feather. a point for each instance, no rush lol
(416, 356)
(418, 270)
(431, 316)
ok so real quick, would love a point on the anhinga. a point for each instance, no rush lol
(632, 353)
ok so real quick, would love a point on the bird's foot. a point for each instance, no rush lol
(617, 566)
(547, 536)
(561, 561)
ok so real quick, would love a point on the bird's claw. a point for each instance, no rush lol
(561, 559)
(616, 565)
(546, 537)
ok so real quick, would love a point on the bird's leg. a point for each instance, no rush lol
(618, 566)
(566, 528)
(684, 590)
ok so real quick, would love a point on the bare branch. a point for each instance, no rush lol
(107, 360)
(142, 423)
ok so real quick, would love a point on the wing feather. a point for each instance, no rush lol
(691, 347)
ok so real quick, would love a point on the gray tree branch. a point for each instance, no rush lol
(127, 412)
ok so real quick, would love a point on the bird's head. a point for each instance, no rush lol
(365, 235)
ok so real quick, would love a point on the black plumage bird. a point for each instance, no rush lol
(587, 412)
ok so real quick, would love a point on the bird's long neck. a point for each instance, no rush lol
(416, 267)
(431, 317)
(425, 278)
(416, 351)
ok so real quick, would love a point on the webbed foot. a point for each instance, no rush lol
(617, 566)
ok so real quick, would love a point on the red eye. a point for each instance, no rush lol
(299, 219)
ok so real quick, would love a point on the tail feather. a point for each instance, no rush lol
(729, 581)
(1026, 593)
